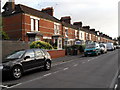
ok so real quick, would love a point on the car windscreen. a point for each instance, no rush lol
(101, 45)
(90, 46)
(16, 55)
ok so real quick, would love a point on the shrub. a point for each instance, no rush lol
(3, 35)
(41, 45)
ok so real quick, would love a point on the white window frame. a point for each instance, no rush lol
(36, 23)
(56, 28)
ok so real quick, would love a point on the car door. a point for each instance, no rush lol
(29, 63)
(39, 57)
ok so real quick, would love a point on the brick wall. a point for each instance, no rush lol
(11, 46)
(57, 53)
(12, 25)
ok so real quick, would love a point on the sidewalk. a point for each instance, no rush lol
(66, 58)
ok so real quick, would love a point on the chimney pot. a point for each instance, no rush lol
(66, 19)
(79, 24)
(48, 10)
(86, 27)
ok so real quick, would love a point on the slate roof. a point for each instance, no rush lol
(28, 10)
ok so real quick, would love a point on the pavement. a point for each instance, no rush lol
(66, 58)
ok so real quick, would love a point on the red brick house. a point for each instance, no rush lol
(24, 23)
(27, 24)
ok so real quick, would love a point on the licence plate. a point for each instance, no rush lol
(89, 53)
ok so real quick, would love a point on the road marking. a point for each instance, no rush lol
(75, 65)
(47, 74)
(4, 86)
(65, 68)
(83, 62)
(115, 87)
(14, 85)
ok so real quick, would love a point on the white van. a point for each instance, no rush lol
(110, 46)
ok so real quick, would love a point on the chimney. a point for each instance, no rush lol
(48, 10)
(86, 27)
(79, 24)
(93, 30)
(66, 19)
(9, 6)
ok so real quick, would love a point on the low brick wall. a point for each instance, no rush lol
(56, 53)
(11, 46)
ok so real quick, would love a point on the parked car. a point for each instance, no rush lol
(92, 49)
(110, 46)
(22, 61)
(118, 47)
(103, 48)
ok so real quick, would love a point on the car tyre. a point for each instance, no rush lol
(97, 54)
(17, 72)
(47, 65)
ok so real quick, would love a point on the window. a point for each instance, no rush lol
(56, 29)
(66, 32)
(75, 33)
(38, 53)
(30, 53)
(34, 23)
(16, 55)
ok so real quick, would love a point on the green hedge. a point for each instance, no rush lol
(41, 45)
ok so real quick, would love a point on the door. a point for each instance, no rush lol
(39, 57)
(29, 63)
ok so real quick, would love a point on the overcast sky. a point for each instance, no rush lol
(99, 14)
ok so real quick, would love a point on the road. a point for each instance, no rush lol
(82, 72)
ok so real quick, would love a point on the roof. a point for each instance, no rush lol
(19, 8)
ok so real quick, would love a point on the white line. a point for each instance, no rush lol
(65, 68)
(47, 74)
(3, 86)
(15, 85)
(75, 65)
(116, 87)
(83, 62)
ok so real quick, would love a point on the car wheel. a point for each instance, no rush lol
(47, 65)
(96, 53)
(85, 55)
(16, 72)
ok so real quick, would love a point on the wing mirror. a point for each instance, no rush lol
(26, 57)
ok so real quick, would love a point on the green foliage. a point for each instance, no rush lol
(41, 45)
(3, 35)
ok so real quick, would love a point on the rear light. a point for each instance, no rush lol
(94, 50)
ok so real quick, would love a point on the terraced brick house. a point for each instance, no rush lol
(24, 23)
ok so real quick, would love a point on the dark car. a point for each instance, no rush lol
(21, 61)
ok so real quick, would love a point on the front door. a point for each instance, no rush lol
(59, 44)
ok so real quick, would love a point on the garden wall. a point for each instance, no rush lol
(11, 46)
(56, 53)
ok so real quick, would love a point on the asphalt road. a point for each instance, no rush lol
(82, 72)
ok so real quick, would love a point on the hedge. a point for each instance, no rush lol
(41, 45)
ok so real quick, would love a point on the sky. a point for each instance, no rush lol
(102, 15)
